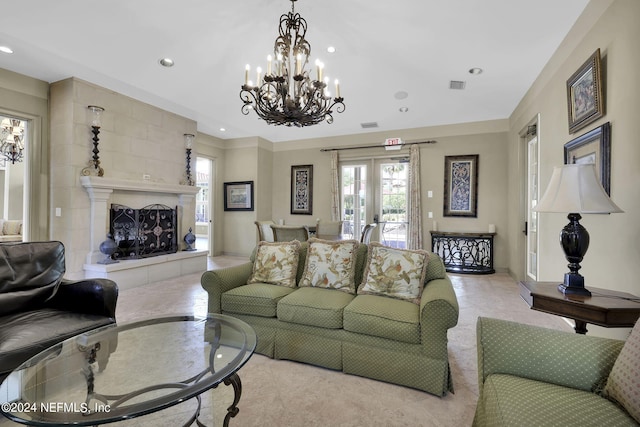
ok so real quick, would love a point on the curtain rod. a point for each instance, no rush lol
(375, 146)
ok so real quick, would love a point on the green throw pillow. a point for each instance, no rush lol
(395, 273)
(331, 264)
(276, 263)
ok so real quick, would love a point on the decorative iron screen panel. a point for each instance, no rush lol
(145, 232)
(464, 252)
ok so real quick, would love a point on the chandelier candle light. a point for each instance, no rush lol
(286, 94)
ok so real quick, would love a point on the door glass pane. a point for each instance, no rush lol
(532, 217)
(393, 203)
(354, 197)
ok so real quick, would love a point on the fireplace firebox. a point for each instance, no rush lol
(145, 232)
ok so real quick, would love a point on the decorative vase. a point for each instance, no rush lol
(108, 248)
(189, 239)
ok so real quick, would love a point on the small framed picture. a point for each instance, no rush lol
(302, 190)
(461, 185)
(238, 196)
(584, 94)
(593, 147)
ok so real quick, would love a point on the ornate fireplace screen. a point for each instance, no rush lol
(145, 232)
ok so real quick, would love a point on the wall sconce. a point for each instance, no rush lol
(95, 117)
(188, 145)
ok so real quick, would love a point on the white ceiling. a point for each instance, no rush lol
(416, 46)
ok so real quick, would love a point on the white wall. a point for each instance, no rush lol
(612, 259)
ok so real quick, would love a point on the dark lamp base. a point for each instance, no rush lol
(573, 285)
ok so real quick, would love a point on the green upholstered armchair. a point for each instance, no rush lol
(533, 376)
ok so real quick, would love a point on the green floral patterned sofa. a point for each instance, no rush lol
(533, 376)
(366, 310)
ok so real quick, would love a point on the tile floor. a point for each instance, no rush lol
(270, 386)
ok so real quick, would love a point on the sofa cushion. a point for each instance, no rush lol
(331, 264)
(12, 227)
(276, 263)
(395, 273)
(383, 317)
(257, 299)
(315, 307)
(623, 384)
(513, 401)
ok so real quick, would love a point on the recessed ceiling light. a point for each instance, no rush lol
(331, 49)
(475, 71)
(222, 129)
(6, 49)
(403, 109)
(166, 62)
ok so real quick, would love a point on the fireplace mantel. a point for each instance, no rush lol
(135, 272)
(102, 183)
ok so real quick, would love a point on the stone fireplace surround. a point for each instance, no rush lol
(136, 272)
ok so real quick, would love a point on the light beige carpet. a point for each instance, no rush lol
(284, 393)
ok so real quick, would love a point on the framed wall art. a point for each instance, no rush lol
(302, 189)
(461, 185)
(593, 147)
(238, 196)
(584, 94)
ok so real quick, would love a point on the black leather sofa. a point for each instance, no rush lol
(39, 308)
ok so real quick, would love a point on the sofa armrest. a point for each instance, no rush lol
(439, 311)
(91, 296)
(564, 358)
(217, 282)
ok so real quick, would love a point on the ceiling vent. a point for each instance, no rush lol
(457, 84)
(369, 125)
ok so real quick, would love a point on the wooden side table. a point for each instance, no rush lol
(605, 307)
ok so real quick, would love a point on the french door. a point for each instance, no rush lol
(531, 230)
(376, 190)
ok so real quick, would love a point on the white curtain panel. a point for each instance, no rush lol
(414, 230)
(335, 188)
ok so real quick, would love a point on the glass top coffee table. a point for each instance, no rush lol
(118, 372)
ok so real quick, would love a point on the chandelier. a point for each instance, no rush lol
(12, 140)
(287, 95)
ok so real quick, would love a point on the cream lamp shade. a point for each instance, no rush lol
(575, 188)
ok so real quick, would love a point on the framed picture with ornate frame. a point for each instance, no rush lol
(461, 185)
(593, 147)
(238, 196)
(584, 94)
(302, 190)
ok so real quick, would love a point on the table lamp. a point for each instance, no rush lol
(575, 189)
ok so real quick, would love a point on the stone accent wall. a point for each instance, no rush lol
(136, 139)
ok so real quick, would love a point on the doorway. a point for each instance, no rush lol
(531, 150)
(204, 204)
(13, 177)
(375, 190)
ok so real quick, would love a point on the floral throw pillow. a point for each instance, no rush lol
(331, 264)
(276, 263)
(395, 273)
(623, 384)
